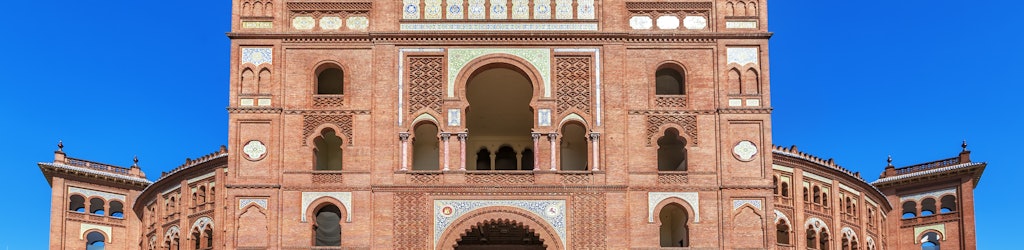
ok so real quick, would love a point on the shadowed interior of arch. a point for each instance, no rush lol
(674, 231)
(499, 234)
(671, 151)
(499, 118)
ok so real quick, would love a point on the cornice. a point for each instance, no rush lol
(671, 112)
(525, 38)
(254, 110)
(326, 112)
(745, 111)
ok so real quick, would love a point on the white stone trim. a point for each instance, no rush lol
(782, 168)
(742, 55)
(817, 227)
(539, 58)
(818, 177)
(344, 197)
(169, 190)
(201, 223)
(86, 227)
(90, 193)
(201, 177)
(937, 227)
(849, 189)
(736, 204)
(781, 216)
(937, 194)
(654, 198)
(242, 203)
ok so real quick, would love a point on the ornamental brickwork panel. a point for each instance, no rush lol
(311, 122)
(573, 77)
(588, 216)
(426, 78)
(410, 225)
(687, 122)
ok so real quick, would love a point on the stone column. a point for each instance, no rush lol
(595, 139)
(536, 144)
(462, 144)
(444, 138)
(404, 137)
(553, 137)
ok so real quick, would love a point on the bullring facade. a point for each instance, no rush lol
(505, 124)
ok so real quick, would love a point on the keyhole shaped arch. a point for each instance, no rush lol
(499, 60)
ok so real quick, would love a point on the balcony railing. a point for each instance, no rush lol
(928, 165)
(98, 166)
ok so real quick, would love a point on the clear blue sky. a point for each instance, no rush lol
(851, 80)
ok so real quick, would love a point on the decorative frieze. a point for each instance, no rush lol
(498, 13)
(669, 16)
(330, 16)
(344, 197)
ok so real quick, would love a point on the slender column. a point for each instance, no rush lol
(462, 143)
(595, 139)
(404, 137)
(553, 137)
(519, 161)
(494, 155)
(536, 144)
(444, 137)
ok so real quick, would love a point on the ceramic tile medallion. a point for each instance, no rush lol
(454, 9)
(254, 150)
(539, 58)
(411, 9)
(668, 22)
(641, 22)
(498, 9)
(498, 26)
(357, 23)
(744, 151)
(520, 9)
(742, 56)
(695, 22)
(563, 9)
(447, 212)
(303, 22)
(544, 117)
(585, 9)
(432, 9)
(541, 9)
(257, 56)
(477, 9)
(330, 23)
(454, 117)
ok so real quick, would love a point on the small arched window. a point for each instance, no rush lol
(782, 232)
(775, 183)
(669, 80)
(823, 239)
(202, 195)
(817, 195)
(327, 229)
(573, 147)
(909, 209)
(928, 207)
(117, 209)
(96, 206)
(812, 238)
(806, 195)
(785, 189)
(505, 158)
(77, 203)
(328, 150)
(425, 148)
(930, 241)
(95, 241)
(674, 230)
(824, 199)
(671, 151)
(330, 80)
(849, 205)
(948, 204)
(483, 159)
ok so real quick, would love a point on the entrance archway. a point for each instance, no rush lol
(499, 234)
(499, 117)
(515, 221)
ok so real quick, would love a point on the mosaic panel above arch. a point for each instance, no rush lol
(653, 198)
(538, 58)
(344, 197)
(84, 227)
(447, 212)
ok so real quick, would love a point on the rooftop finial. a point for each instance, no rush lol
(60, 145)
(964, 145)
(135, 161)
(890, 160)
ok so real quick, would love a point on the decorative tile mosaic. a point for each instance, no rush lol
(86, 227)
(740, 24)
(539, 58)
(668, 22)
(454, 9)
(257, 56)
(454, 117)
(744, 151)
(93, 193)
(520, 9)
(585, 9)
(937, 227)
(411, 9)
(330, 23)
(432, 9)
(257, 25)
(848, 232)
(563, 9)
(498, 26)
(477, 9)
(254, 150)
(357, 23)
(544, 117)
(171, 232)
(303, 22)
(736, 204)
(447, 212)
(541, 9)
(499, 9)
(641, 22)
(597, 76)
(200, 224)
(937, 194)
(781, 216)
(695, 22)
(344, 197)
(816, 223)
(242, 203)
(742, 56)
(653, 198)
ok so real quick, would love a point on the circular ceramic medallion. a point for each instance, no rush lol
(447, 211)
(744, 151)
(254, 150)
(551, 211)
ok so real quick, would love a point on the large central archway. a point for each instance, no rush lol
(501, 227)
(499, 234)
(499, 118)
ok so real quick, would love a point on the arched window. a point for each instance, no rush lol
(817, 195)
(77, 203)
(172, 204)
(823, 239)
(527, 160)
(812, 238)
(425, 150)
(948, 204)
(197, 238)
(328, 150)
(775, 183)
(785, 189)
(845, 244)
(674, 231)
(782, 232)
(96, 206)
(209, 237)
(202, 195)
(671, 151)
(928, 207)
(909, 209)
(669, 81)
(330, 81)
(930, 241)
(505, 158)
(849, 205)
(483, 159)
(195, 199)
(573, 147)
(116, 209)
(95, 241)
(327, 229)
(824, 199)
(806, 195)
